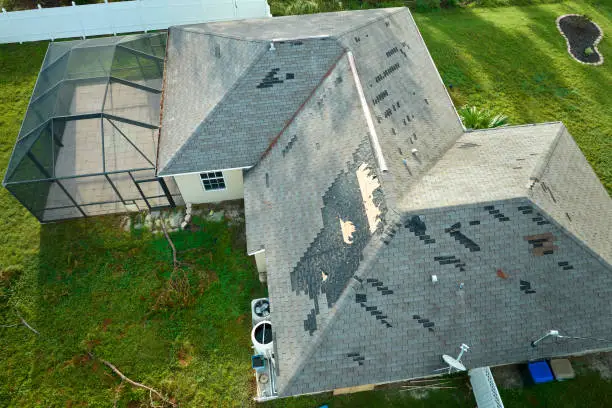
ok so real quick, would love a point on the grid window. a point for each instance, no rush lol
(213, 180)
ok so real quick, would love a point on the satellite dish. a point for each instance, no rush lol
(453, 363)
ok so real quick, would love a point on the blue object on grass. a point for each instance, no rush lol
(540, 372)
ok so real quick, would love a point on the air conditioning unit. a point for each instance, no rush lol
(260, 310)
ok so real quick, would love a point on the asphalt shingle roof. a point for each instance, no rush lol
(498, 215)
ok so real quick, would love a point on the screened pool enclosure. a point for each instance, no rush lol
(88, 143)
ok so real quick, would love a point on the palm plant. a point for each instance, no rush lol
(295, 7)
(474, 118)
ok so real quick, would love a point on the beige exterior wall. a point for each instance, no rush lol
(193, 191)
(260, 260)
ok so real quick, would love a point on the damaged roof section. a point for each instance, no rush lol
(250, 111)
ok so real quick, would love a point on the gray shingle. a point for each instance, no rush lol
(497, 215)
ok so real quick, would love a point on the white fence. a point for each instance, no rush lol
(121, 17)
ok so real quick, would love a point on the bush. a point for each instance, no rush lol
(588, 51)
(474, 118)
(427, 5)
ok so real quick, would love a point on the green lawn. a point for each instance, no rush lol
(514, 61)
(89, 286)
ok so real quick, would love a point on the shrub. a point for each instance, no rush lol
(474, 118)
(427, 5)
(588, 51)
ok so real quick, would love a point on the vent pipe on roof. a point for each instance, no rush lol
(272, 48)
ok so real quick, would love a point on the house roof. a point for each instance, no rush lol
(230, 119)
(351, 242)
(508, 270)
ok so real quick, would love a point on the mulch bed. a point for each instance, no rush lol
(580, 35)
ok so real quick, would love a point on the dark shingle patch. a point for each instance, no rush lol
(341, 200)
(310, 324)
(474, 222)
(496, 213)
(270, 79)
(392, 51)
(525, 287)
(454, 232)
(387, 72)
(289, 145)
(380, 97)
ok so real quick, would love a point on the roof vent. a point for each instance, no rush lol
(415, 151)
(272, 48)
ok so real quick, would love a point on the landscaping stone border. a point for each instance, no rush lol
(597, 40)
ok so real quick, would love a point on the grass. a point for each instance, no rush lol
(513, 61)
(586, 390)
(88, 286)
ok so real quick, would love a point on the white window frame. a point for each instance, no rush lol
(214, 178)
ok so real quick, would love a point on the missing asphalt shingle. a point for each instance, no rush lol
(270, 79)
(454, 232)
(392, 51)
(289, 75)
(342, 199)
(380, 97)
(310, 324)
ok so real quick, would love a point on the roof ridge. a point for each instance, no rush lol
(544, 162)
(556, 122)
(396, 10)
(213, 110)
(299, 109)
(188, 28)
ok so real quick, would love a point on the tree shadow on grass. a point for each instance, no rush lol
(508, 69)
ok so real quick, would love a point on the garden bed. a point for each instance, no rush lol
(582, 36)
